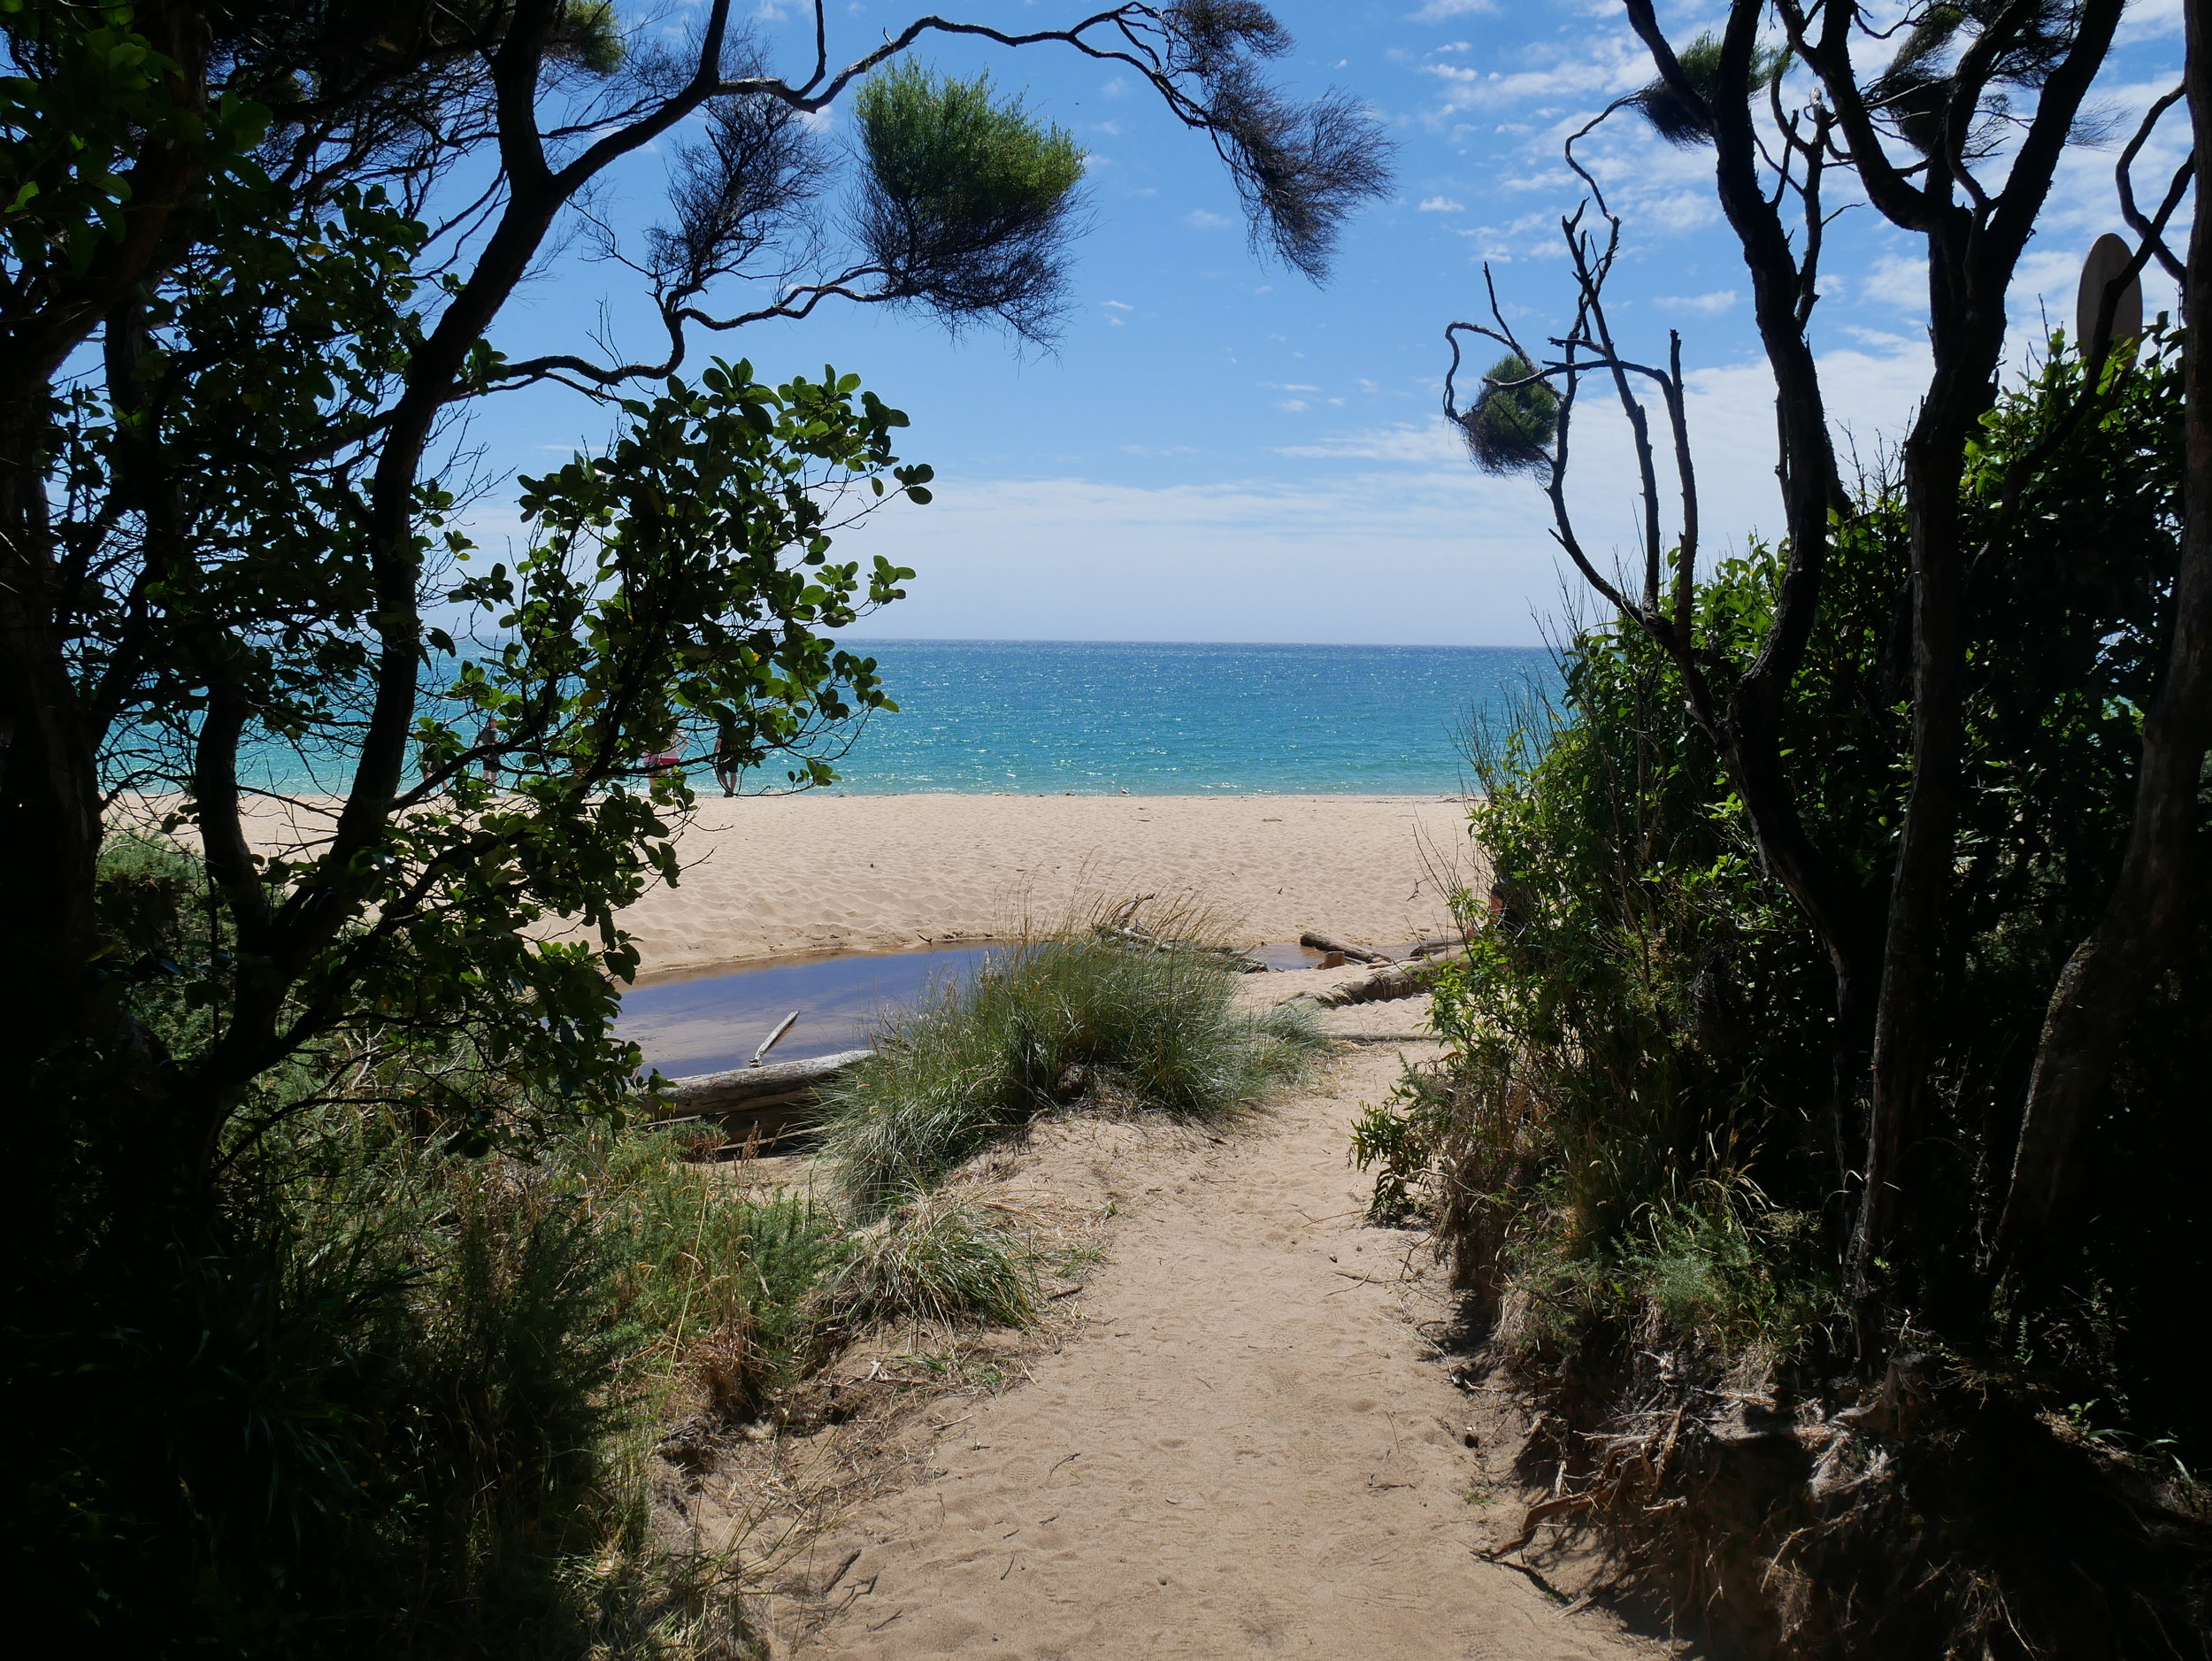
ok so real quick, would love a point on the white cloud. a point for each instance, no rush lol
(1202, 220)
(1455, 556)
(1449, 557)
(2148, 20)
(1442, 204)
(1599, 70)
(1118, 305)
(1700, 304)
(1438, 10)
(1294, 406)
(1429, 443)
(1898, 280)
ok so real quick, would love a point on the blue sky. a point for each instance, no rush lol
(1216, 449)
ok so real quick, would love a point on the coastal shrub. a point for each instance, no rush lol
(1048, 1022)
(407, 1408)
(1636, 1161)
(410, 1406)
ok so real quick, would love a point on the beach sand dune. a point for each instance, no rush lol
(810, 873)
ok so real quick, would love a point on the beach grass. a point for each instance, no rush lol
(1143, 1019)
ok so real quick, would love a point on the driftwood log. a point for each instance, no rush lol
(1356, 954)
(1237, 960)
(763, 1103)
(1379, 987)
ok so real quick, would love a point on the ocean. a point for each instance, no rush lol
(1150, 718)
(1038, 717)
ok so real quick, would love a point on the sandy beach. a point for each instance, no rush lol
(773, 874)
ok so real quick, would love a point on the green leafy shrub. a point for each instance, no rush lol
(1638, 1161)
(1651, 1031)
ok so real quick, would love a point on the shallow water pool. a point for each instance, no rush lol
(714, 1021)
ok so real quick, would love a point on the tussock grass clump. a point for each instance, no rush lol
(937, 1258)
(1081, 1015)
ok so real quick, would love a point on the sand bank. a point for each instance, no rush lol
(809, 872)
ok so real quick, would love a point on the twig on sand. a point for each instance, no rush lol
(1537, 1517)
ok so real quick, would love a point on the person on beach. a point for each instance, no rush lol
(668, 758)
(1502, 912)
(488, 740)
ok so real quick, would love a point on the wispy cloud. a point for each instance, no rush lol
(1072, 557)
(1200, 220)
(1442, 204)
(1438, 10)
(1427, 444)
(1898, 280)
(1698, 305)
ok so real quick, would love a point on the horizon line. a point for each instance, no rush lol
(1085, 640)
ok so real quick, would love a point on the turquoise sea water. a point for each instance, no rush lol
(1045, 716)
(1169, 719)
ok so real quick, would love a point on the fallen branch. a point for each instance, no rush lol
(758, 1102)
(1358, 953)
(1236, 959)
(1379, 987)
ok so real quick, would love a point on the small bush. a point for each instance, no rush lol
(1051, 1021)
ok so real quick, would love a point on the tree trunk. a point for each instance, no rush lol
(2145, 918)
(1908, 1013)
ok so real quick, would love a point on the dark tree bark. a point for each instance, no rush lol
(2133, 943)
(53, 1018)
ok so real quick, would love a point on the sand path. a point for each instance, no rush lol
(1251, 1451)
